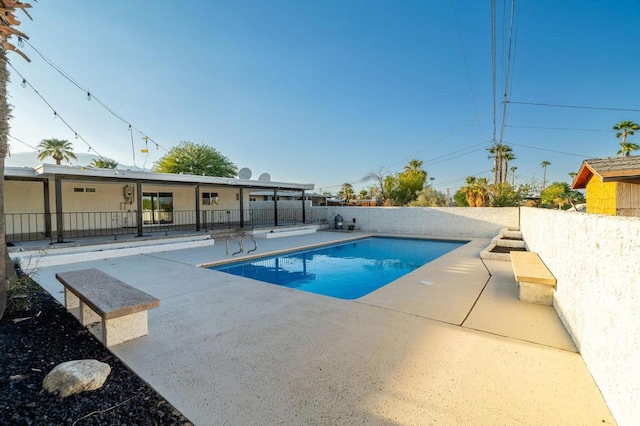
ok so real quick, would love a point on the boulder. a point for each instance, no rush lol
(76, 376)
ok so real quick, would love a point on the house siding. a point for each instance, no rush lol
(601, 197)
(628, 199)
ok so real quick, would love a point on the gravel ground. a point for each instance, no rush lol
(34, 341)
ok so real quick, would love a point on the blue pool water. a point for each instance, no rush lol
(345, 271)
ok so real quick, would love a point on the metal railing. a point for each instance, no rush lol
(40, 226)
(240, 242)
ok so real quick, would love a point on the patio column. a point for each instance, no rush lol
(275, 207)
(197, 188)
(139, 209)
(304, 213)
(241, 195)
(59, 217)
(47, 208)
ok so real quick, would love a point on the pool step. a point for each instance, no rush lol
(501, 246)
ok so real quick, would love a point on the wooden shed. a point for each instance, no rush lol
(612, 185)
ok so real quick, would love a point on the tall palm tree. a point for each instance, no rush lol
(627, 148)
(625, 128)
(506, 157)
(346, 192)
(501, 154)
(544, 165)
(513, 175)
(7, 23)
(104, 163)
(414, 165)
(58, 149)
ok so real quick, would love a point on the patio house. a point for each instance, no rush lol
(612, 185)
(57, 202)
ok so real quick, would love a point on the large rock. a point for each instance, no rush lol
(76, 376)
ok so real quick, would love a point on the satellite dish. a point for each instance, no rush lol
(244, 173)
(265, 177)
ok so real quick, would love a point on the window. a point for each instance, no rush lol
(89, 190)
(78, 189)
(209, 198)
(237, 196)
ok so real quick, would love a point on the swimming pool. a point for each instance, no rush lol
(346, 271)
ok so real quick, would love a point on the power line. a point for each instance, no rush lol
(574, 106)
(55, 113)
(551, 150)
(558, 128)
(464, 57)
(93, 96)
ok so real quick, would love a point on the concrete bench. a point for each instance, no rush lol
(120, 309)
(535, 280)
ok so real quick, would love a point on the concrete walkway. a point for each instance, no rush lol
(447, 344)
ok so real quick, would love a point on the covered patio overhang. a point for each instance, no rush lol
(47, 173)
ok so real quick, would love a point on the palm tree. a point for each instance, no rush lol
(58, 149)
(625, 128)
(7, 23)
(414, 165)
(104, 163)
(506, 157)
(627, 148)
(544, 165)
(363, 194)
(501, 154)
(475, 191)
(346, 192)
(513, 175)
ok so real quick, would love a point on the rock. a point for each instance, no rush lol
(76, 376)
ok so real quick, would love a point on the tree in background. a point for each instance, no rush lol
(58, 149)
(346, 192)
(624, 129)
(559, 194)
(8, 22)
(104, 163)
(378, 177)
(544, 165)
(626, 148)
(476, 192)
(363, 194)
(429, 197)
(501, 154)
(195, 159)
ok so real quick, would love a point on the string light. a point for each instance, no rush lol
(55, 113)
(91, 96)
(24, 83)
(20, 42)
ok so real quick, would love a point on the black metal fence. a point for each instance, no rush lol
(40, 226)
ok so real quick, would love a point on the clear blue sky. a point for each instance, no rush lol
(326, 91)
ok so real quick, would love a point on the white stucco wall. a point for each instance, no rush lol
(480, 222)
(595, 259)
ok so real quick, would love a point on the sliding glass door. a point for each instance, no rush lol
(157, 208)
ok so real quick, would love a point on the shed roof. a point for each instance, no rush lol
(612, 169)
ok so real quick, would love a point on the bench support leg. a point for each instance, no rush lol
(121, 329)
(70, 300)
(536, 293)
(87, 316)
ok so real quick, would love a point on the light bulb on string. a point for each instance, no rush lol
(20, 42)
(88, 96)
(76, 135)
(55, 114)
(24, 83)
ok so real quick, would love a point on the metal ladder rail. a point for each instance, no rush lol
(255, 244)
(240, 244)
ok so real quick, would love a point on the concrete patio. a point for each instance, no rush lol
(464, 350)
